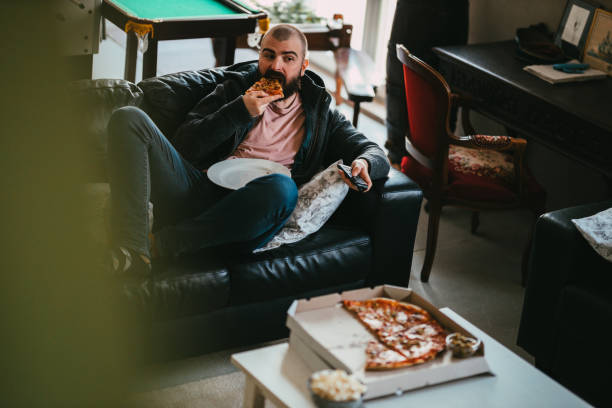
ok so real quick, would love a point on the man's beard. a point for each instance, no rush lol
(288, 88)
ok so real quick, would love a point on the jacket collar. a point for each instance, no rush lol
(313, 89)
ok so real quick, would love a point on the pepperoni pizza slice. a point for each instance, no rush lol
(269, 86)
(381, 357)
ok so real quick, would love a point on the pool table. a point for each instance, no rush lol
(179, 19)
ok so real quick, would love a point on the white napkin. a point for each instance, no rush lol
(597, 230)
(317, 201)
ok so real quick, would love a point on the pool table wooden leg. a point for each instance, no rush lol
(149, 60)
(230, 50)
(131, 52)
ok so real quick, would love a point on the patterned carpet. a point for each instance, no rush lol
(224, 391)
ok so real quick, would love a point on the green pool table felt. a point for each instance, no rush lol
(165, 9)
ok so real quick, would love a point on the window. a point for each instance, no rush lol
(383, 32)
(354, 12)
(371, 20)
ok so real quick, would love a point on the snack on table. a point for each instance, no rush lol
(269, 86)
(406, 333)
(462, 346)
(336, 385)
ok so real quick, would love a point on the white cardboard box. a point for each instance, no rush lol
(326, 335)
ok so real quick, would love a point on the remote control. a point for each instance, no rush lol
(356, 180)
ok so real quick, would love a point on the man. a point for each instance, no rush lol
(298, 130)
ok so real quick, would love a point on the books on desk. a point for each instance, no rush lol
(553, 76)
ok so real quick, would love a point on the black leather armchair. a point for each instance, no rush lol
(567, 310)
(210, 300)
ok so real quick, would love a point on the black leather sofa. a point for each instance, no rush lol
(567, 310)
(210, 300)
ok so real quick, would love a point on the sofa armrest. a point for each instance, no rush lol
(560, 250)
(559, 256)
(390, 214)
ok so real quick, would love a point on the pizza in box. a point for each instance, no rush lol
(406, 334)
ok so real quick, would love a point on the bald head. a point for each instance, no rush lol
(283, 32)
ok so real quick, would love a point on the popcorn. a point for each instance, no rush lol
(336, 385)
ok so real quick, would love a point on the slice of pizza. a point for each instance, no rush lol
(381, 357)
(407, 329)
(419, 343)
(269, 86)
(379, 313)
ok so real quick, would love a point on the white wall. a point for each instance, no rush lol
(495, 20)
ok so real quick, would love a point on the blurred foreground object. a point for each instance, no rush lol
(64, 338)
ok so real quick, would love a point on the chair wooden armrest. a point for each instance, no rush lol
(499, 143)
(513, 145)
(479, 141)
(355, 71)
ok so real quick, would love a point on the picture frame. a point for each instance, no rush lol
(598, 48)
(574, 27)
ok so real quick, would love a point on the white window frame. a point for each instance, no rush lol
(376, 31)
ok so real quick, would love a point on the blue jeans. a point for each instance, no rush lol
(190, 212)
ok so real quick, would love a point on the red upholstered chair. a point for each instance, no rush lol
(478, 172)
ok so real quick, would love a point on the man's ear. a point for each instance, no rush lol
(304, 66)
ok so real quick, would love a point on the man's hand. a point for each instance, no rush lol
(257, 101)
(359, 167)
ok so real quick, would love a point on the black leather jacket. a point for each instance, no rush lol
(219, 122)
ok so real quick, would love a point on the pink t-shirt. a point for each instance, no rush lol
(277, 135)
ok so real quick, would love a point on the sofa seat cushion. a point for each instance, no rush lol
(583, 308)
(586, 304)
(478, 175)
(584, 314)
(330, 257)
(188, 286)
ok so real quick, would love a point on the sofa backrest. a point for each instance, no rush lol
(166, 99)
(96, 100)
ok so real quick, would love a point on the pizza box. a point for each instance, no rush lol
(326, 335)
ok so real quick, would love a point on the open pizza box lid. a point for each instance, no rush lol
(326, 336)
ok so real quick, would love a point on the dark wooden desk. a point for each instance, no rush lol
(574, 119)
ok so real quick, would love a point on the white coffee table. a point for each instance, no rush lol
(278, 374)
